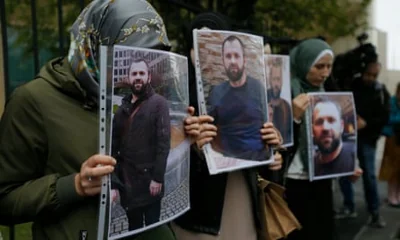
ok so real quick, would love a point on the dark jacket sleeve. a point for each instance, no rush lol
(26, 191)
(116, 134)
(289, 153)
(211, 102)
(163, 126)
(288, 120)
(116, 176)
(296, 132)
(266, 173)
(287, 157)
(264, 101)
(376, 123)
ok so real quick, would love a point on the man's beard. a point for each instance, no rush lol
(275, 94)
(331, 148)
(234, 76)
(139, 91)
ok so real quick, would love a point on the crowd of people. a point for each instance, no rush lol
(51, 172)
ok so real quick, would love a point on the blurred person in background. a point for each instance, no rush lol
(372, 107)
(310, 201)
(390, 166)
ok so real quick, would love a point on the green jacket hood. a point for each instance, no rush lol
(59, 74)
(304, 55)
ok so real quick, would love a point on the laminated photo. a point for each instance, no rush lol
(277, 69)
(231, 87)
(149, 102)
(332, 133)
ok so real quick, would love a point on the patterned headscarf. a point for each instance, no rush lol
(108, 22)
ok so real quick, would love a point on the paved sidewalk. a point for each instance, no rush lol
(357, 229)
(392, 218)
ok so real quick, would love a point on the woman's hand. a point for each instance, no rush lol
(114, 195)
(361, 123)
(155, 188)
(277, 164)
(208, 131)
(300, 104)
(199, 128)
(356, 175)
(270, 135)
(192, 125)
(88, 180)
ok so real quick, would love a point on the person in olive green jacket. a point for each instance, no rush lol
(49, 130)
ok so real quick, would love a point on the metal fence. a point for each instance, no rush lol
(35, 50)
(13, 78)
(14, 74)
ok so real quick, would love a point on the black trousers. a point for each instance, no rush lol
(144, 216)
(312, 204)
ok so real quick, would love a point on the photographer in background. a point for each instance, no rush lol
(349, 66)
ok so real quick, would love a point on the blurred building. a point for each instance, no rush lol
(378, 38)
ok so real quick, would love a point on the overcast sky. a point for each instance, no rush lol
(387, 18)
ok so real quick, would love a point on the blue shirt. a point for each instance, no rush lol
(394, 117)
(239, 114)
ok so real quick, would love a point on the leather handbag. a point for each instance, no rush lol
(277, 220)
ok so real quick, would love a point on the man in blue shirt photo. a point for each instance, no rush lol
(239, 107)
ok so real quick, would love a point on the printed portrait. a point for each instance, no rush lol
(277, 69)
(333, 134)
(150, 184)
(232, 89)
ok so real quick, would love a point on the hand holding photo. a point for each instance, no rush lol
(232, 89)
(148, 138)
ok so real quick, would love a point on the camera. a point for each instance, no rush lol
(351, 64)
